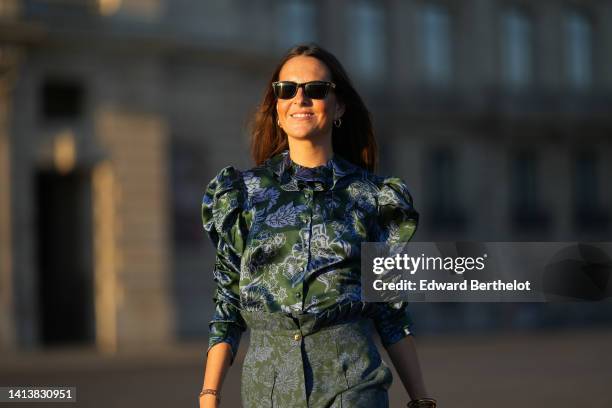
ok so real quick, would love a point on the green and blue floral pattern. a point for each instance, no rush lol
(288, 241)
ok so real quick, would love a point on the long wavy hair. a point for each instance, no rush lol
(354, 140)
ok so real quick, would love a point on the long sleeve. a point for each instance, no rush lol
(224, 220)
(398, 222)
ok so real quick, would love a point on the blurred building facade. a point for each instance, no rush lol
(114, 114)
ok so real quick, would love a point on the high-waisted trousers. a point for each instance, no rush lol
(292, 363)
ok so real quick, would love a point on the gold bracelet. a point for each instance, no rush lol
(423, 403)
(211, 391)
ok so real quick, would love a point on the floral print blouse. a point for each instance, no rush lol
(288, 240)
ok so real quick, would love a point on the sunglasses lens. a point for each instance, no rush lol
(285, 90)
(316, 90)
(313, 90)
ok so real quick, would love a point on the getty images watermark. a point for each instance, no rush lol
(486, 271)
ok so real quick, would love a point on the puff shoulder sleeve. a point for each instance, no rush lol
(398, 222)
(224, 220)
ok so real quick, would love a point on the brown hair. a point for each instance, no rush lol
(354, 140)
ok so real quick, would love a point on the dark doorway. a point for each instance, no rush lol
(65, 267)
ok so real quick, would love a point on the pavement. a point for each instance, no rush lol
(505, 370)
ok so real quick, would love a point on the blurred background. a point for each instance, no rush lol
(115, 114)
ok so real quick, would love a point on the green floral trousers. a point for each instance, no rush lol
(292, 363)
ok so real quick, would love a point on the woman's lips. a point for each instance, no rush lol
(302, 116)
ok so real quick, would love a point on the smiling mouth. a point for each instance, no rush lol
(302, 115)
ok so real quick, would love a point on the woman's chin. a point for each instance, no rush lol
(303, 134)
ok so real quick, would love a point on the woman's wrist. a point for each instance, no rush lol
(211, 394)
(423, 403)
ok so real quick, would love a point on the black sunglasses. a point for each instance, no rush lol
(312, 89)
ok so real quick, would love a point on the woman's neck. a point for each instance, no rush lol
(309, 154)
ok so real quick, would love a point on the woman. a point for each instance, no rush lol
(288, 234)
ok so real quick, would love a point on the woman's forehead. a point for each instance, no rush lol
(303, 69)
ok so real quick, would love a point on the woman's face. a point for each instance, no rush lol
(302, 117)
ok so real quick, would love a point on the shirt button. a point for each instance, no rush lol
(298, 295)
(297, 336)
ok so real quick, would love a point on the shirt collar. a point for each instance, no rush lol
(294, 177)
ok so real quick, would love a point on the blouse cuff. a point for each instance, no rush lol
(227, 332)
(394, 323)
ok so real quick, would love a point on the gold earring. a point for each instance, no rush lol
(338, 122)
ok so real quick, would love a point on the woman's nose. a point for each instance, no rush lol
(300, 98)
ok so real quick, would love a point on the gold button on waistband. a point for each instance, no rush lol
(297, 336)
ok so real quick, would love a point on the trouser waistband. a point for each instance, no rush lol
(283, 324)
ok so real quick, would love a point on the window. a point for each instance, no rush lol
(367, 38)
(517, 37)
(585, 181)
(66, 8)
(579, 50)
(61, 99)
(444, 195)
(589, 214)
(436, 44)
(296, 22)
(188, 163)
(526, 206)
(525, 181)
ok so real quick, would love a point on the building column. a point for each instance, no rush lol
(131, 231)
(8, 73)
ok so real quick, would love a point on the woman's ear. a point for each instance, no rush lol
(340, 108)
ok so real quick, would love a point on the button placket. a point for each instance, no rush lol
(308, 197)
(306, 217)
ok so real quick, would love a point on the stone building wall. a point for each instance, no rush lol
(163, 93)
